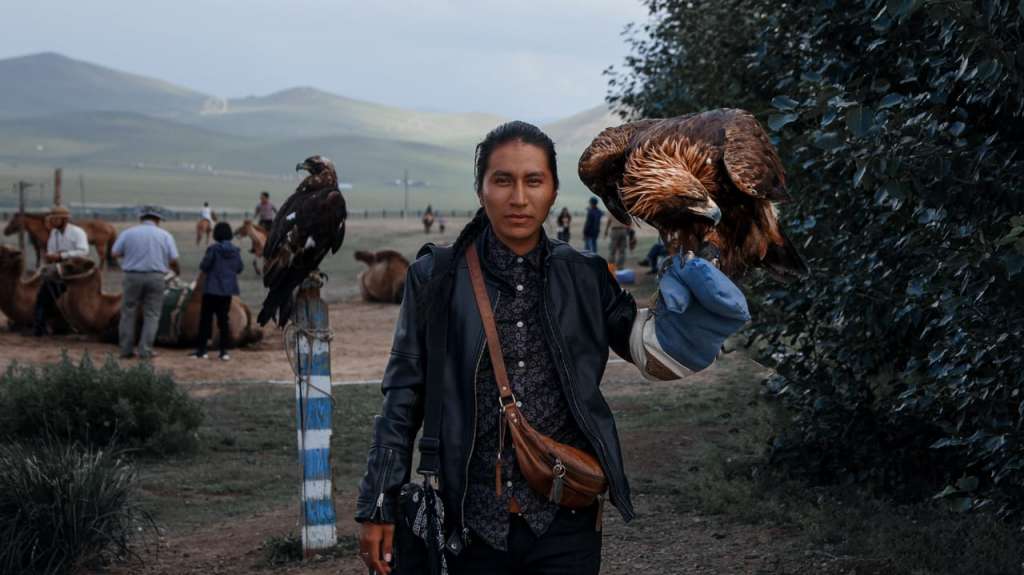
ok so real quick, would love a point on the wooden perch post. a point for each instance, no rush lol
(314, 408)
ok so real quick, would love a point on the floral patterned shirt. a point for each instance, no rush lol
(535, 382)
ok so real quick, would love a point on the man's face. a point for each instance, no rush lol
(518, 191)
(59, 222)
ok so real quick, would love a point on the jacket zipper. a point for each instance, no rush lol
(379, 510)
(472, 445)
(602, 454)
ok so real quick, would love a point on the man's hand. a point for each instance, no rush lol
(52, 258)
(375, 541)
(175, 267)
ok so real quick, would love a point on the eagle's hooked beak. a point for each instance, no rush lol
(708, 210)
(302, 166)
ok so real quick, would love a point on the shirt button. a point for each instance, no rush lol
(519, 324)
(519, 260)
(519, 287)
(522, 364)
(509, 484)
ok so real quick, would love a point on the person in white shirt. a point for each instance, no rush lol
(147, 253)
(206, 213)
(66, 241)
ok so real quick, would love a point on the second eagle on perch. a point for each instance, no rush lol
(310, 223)
(706, 178)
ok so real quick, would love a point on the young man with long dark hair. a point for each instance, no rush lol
(557, 312)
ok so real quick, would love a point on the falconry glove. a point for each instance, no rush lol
(697, 308)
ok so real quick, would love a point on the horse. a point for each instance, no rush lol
(203, 228)
(428, 222)
(100, 234)
(257, 237)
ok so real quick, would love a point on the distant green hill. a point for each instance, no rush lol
(119, 139)
(308, 112)
(56, 111)
(46, 84)
(577, 131)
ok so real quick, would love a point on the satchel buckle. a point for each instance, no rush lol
(511, 401)
(431, 480)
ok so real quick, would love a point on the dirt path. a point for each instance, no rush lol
(668, 536)
(362, 340)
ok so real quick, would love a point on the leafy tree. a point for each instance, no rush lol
(901, 123)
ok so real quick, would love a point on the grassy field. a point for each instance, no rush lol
(370, 173)
(694, 451)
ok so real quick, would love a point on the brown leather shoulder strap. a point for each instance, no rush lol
(483, 303)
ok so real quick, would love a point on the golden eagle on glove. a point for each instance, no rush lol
(310, 224)
(710, 178)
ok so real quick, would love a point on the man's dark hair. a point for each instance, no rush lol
(511, 132)
(264, 194)
(222, 231)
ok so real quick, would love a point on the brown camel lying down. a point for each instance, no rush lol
(384, 280)
(91, 311)
(101, 234)
(18, 293)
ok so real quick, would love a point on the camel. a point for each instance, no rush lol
(92, 311)
(257, 238)
(241, 321)
(17, 293)
(384, 280)
(85, 305)
(101, 234)
(428, 222)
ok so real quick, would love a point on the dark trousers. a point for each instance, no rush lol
(50, 290)
(657, 250)
(214, 305)
(570, 546)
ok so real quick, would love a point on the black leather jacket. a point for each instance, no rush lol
(585, 312)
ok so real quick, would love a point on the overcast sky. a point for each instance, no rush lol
(534, 59)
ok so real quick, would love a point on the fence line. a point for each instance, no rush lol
(123, 214)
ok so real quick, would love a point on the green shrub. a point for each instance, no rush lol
(901, 123)
(132, 406)
(63, 507)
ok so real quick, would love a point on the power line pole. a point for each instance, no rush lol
(58, 176)
(405, 182)
(22, 185)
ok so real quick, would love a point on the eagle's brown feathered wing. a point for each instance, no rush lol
(600, 167)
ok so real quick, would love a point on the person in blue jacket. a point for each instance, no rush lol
(222, 264)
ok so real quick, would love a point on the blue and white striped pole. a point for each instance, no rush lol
(314, 408)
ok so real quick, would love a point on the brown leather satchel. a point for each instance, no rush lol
(564, 474)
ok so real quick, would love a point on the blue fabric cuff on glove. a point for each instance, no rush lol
(698, 308)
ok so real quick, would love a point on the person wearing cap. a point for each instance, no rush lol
(66, 241)
(147, 253)
(592, 226)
